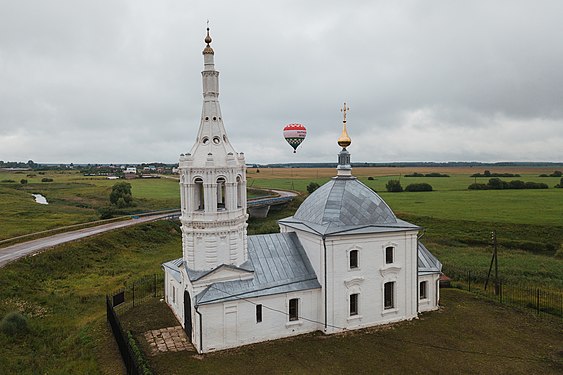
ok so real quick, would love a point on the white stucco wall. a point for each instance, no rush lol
(232, 324)
(432, 293)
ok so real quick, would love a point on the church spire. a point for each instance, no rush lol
(344, 169)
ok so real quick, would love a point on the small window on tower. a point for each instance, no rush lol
(293, 309)
(214, 118)
(216, 140)
(205, 140)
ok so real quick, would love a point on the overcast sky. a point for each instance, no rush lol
(119, 81)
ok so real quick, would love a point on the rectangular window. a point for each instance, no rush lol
(354, 259)
(389, 295)
(173, 294)
(258, 313)
(389, 255)
(423, 290)
(293, 309)
(354, 304)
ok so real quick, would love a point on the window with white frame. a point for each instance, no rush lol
(423, 290)
(354, 259)
(354, 299)
(389, 250)
(389, 295)
(294, 309)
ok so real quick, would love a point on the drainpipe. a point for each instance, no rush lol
(325, 286)
(418, 237)
(200, 328)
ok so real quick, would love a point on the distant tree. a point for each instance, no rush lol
(496, 183)
(121, 195)
(312, 187)
(23, 181)
(257, 170)
(487, 173)
(556, 174)
(560, 185)
(394, 186)
(516, 184)
(370, 178)
(478, 186)
(45, 179)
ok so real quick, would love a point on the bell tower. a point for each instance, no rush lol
(212, 186)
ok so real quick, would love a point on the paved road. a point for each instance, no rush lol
(11, 253)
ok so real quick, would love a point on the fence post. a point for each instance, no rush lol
(155, 284)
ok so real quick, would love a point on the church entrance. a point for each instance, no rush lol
(188, 314)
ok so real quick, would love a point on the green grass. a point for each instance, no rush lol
(62, 292)
(468, 335)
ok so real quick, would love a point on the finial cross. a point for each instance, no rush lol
(344, 109)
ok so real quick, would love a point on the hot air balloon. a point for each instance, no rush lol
(294, 134)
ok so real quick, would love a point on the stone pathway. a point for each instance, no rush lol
(172, 339)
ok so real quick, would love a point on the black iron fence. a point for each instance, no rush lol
(122, 300)
(137, 292)
(541, 299)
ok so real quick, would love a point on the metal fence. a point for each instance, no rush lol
(122, 300)
(543, 300)
(137, 292)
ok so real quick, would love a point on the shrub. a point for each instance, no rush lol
(560, 185)
(394, 186)
(535, 185)
(496, 183)
(556, 174)
(370, 178)
(45, 179)
(312, 187)
(516, 184)
(415, 174)
(423, 186)
(477, 186)
(543, 175)
(8, 181)
(435, 174)
(13, 324)
(106, 212)
(121, 190)
(23, 181)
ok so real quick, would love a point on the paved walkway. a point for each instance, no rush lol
(171, 339)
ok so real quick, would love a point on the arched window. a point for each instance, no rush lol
(354, 261)
(239, 192)
(221, 193)
(199, 201)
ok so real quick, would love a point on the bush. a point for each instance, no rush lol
(312, 187)
(13, 324)
(477, 186)
(556, 174)
(8, 181)
(45, 179)
(121, 195)
(423, 186)
(415, 174)
(106, 212)
(516, 184)
(394, 186)
(370, 178)
(535, 185)
(560, 185)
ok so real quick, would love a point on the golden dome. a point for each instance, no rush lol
(344, 140)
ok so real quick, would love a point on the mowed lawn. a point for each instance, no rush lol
(466, 336)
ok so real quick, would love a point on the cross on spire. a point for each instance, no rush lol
(344, 109)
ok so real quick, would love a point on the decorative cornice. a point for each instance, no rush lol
(354, 281)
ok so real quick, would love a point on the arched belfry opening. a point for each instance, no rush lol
(199, 196)
(221, 193)
(239, 192)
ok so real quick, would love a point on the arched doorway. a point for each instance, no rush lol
(188, 315)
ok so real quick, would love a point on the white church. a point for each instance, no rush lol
(344, 261)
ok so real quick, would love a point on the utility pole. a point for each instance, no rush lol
(495, 260)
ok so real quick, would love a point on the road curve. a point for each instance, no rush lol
(11, 253)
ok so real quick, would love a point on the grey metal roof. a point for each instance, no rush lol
(174, 267)
(427, 263)
(280, 265)
(345, 205)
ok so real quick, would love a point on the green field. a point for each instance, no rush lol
(62, 293)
